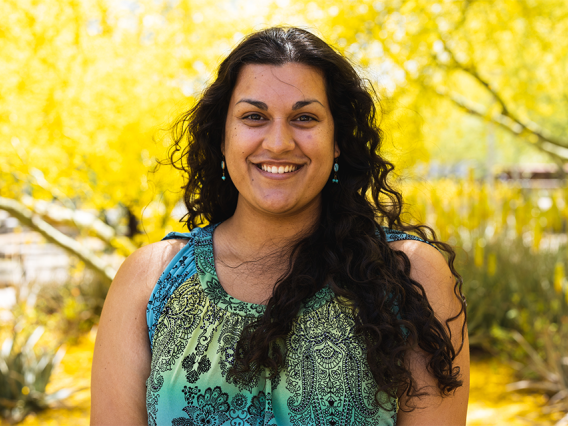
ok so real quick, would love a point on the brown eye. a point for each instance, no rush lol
(306, 118)
(254, 117)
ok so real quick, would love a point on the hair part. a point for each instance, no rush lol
(347, 249)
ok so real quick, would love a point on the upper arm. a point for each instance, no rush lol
(121, 361)
(429, 268)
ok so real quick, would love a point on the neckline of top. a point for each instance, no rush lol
(205, 265)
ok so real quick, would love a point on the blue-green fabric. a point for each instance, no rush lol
(194, 326)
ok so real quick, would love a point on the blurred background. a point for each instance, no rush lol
(475, 112)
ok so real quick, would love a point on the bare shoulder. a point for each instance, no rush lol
(430, 268)
(131, 288)
(424, 258)
(143, 268)
(121, 361)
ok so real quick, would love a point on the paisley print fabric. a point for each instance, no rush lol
(179, 270)
(194, 325)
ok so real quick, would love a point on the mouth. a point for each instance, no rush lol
(279, 170)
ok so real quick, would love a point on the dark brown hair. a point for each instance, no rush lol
(347, 249)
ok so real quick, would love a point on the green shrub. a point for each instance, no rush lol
(24, 374)
(72, 308)
(513, 288)
(518, 310)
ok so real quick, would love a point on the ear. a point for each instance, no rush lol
(336, 150)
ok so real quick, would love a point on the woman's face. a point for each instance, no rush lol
(279, 138)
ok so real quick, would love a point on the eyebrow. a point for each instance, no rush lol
(258, 104)
(264, 107)
(301, 104)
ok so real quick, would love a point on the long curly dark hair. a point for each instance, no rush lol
(344, 250)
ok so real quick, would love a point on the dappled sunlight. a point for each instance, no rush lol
(491, 405)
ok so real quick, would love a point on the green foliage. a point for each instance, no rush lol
(66, 311)
(25, 372)
(512, 254)
(543, 368)
(70, 309)
(516, 312)
(513, 293)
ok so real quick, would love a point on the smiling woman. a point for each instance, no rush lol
(279, 143)
(305, 300)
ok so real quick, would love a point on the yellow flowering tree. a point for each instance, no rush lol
(501, 61)
(88, 90)
(86, 85)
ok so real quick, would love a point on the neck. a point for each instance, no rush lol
(251, 234)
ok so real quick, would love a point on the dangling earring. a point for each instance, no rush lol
(335, 170)
(223, 168)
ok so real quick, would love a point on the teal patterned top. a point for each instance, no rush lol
(194, 326)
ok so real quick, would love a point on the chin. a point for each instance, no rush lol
(286, 207)
(278, 208)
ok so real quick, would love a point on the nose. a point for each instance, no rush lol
(279, 138)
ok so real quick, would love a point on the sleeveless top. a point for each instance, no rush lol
(194, 325)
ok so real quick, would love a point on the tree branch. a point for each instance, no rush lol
(544, 137)
(557, 150)
(28, 218)
(81, 220)
(471, 70)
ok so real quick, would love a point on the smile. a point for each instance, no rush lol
(278, 169)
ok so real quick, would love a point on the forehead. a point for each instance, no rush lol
(288, 82)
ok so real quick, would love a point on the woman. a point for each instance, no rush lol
(295, 306)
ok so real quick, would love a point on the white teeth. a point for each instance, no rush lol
(278, 169)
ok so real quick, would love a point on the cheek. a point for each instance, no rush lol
(233, 141)
(325, 145)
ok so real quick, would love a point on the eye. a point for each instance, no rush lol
(253, 117)
(305, 118)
